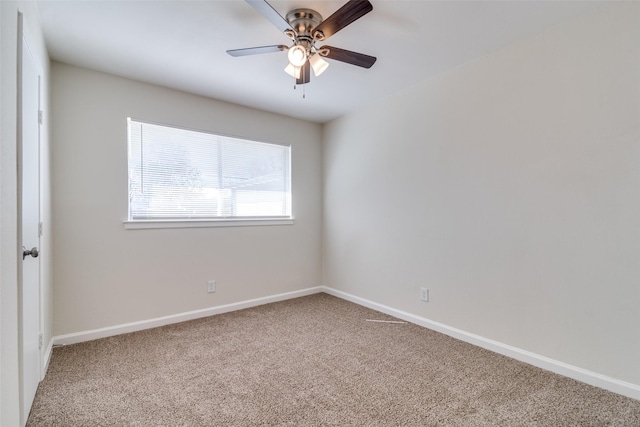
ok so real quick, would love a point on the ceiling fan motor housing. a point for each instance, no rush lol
(303, 21)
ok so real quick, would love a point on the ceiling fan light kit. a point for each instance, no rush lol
(297, 55)
(318, 64)
(305, 27)
(293, 71)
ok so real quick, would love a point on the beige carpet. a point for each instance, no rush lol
(308, 362)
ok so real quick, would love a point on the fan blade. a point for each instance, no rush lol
(343, 55)
(266, 10)
(349, 12)
(305, 74)
(257, 50)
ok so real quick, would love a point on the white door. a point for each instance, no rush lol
(29, 163)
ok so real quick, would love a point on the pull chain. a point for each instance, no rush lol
(295, 86)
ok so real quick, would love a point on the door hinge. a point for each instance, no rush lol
(40, 229)
(40, 339)
(39, 117)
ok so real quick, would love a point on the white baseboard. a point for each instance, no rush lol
(579, 374)
(46, 358)
(565, 369)
(176, 318)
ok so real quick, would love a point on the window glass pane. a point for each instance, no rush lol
(180, 174)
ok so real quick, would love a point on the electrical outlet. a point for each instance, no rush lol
(424, 294)
(211, 286)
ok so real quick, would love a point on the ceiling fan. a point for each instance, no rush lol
(305, 27)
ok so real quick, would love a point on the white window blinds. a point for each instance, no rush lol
(183, 174)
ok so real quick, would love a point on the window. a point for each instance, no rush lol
(183, 175)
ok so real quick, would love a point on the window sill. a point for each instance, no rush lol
(155, 224)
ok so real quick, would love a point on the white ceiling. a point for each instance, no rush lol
(182, 45)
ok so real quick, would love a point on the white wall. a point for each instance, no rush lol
(510, 187)
(105, 275)
(9, 261)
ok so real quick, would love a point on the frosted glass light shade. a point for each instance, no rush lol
(293, 71)
(318, 64)
(297, 55)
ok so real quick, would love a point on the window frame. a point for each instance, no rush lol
(150, 223)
